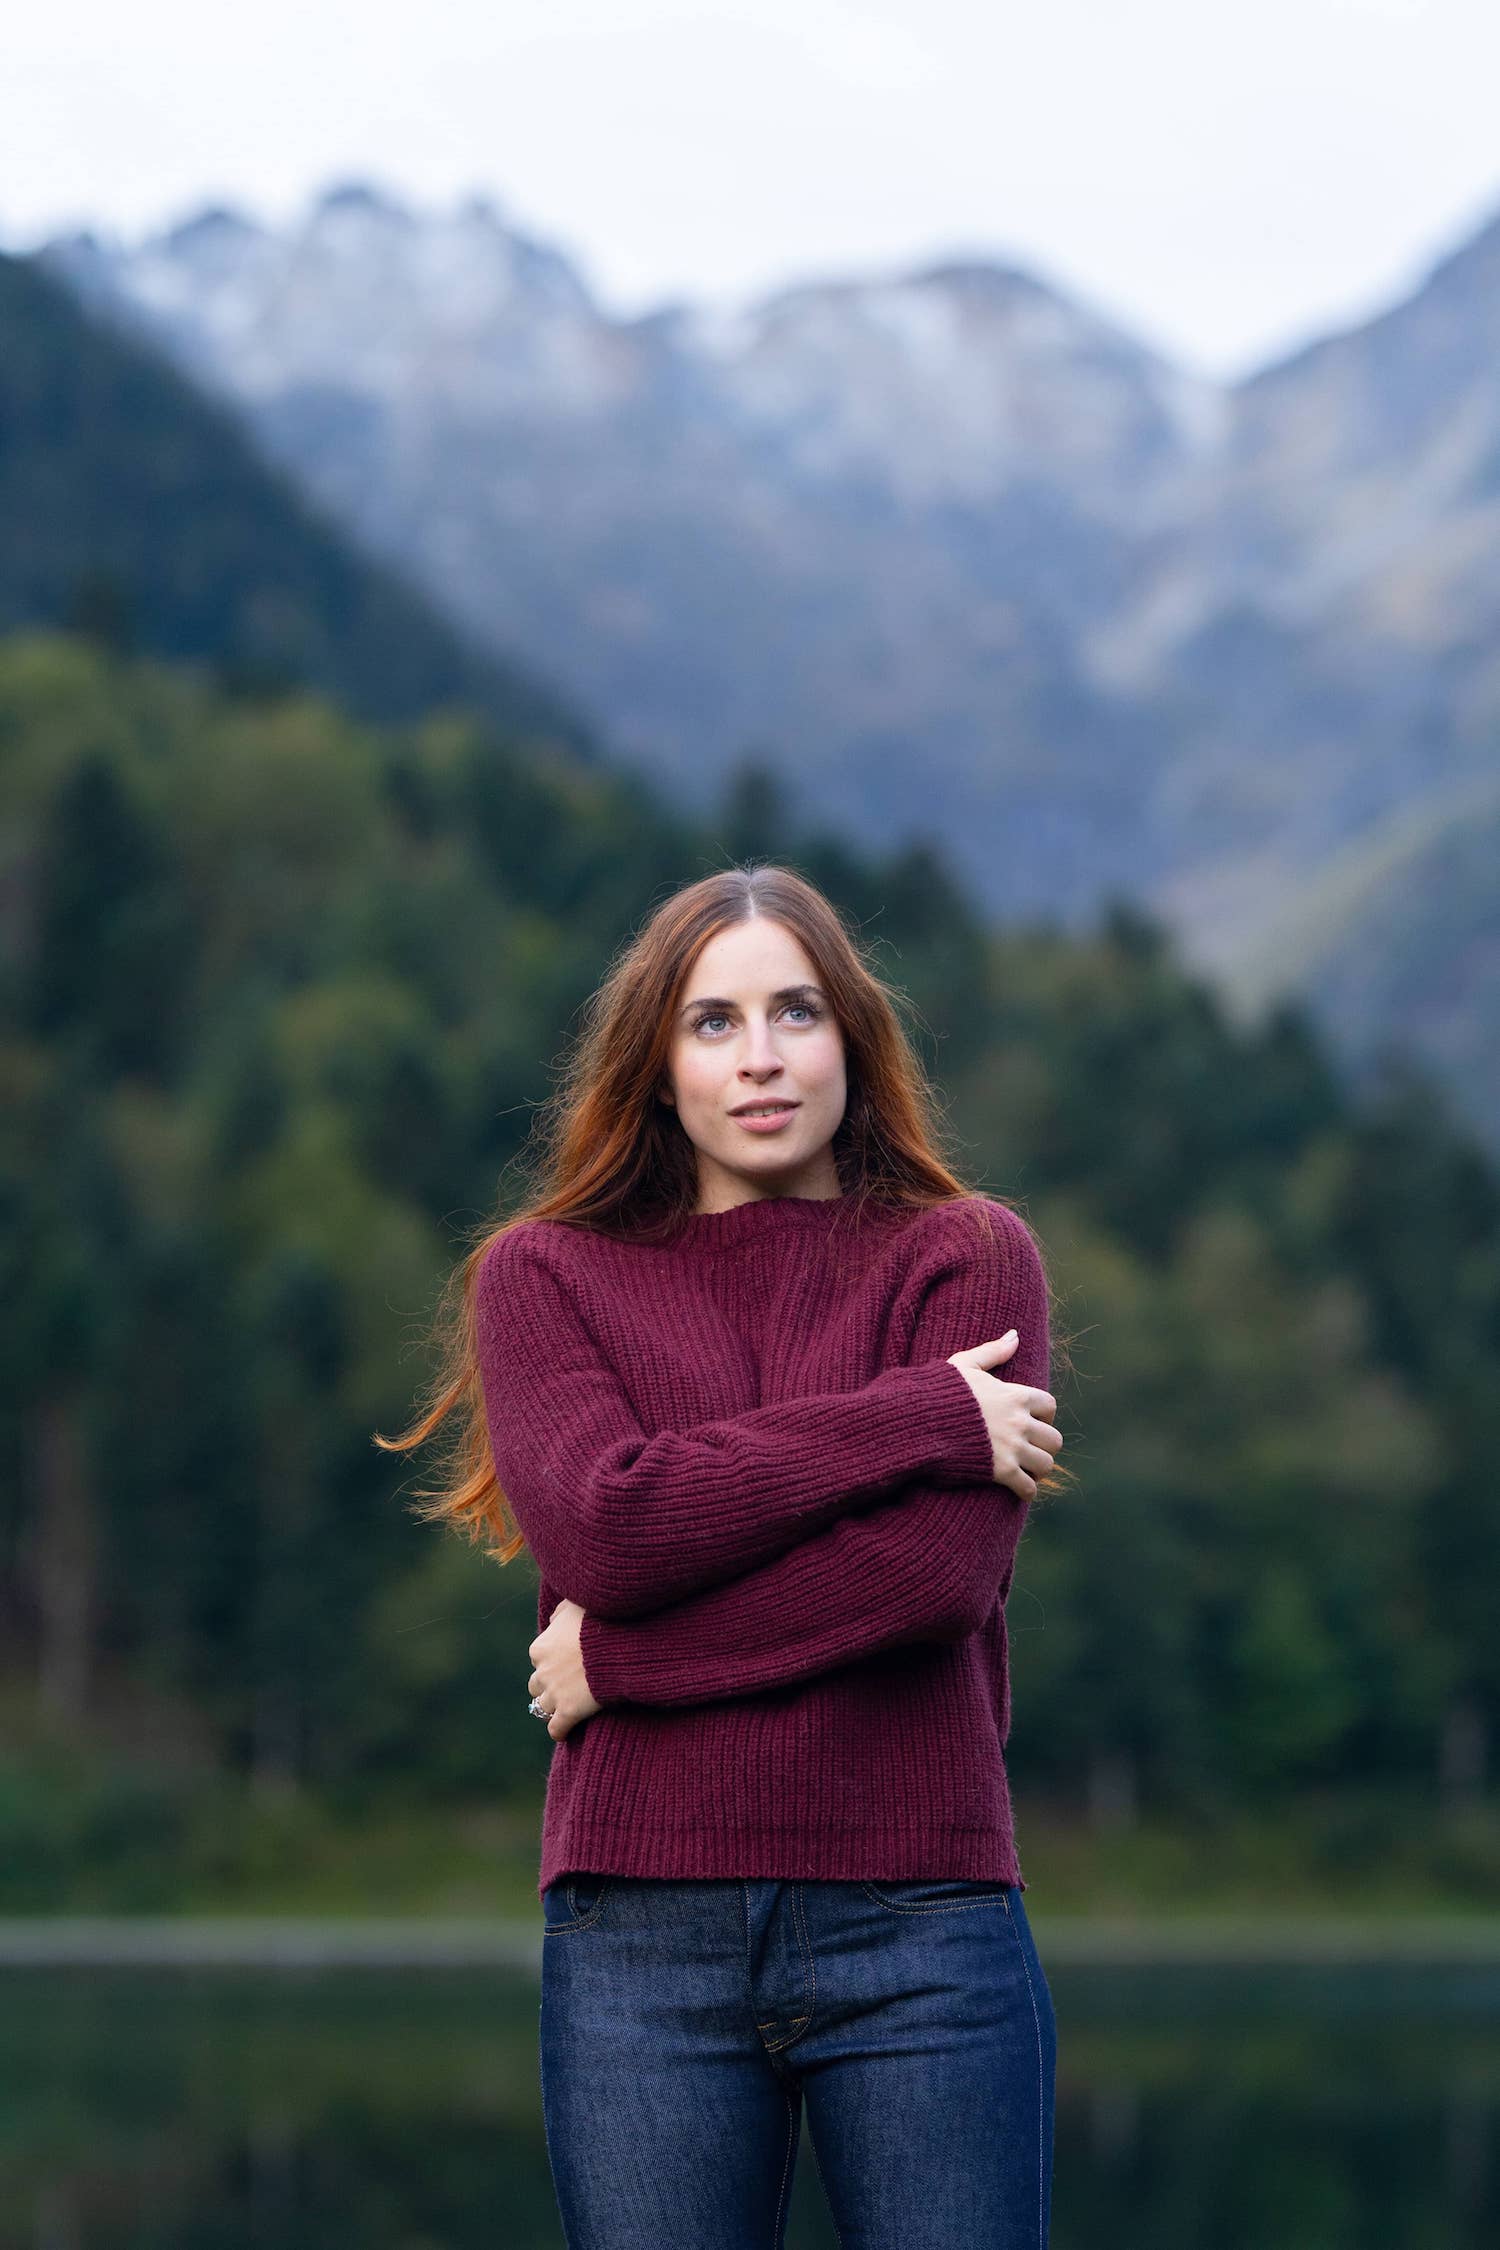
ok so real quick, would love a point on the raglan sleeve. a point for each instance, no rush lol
(927, 1564)
(621, 1520)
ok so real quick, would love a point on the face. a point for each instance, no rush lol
(756, 1027)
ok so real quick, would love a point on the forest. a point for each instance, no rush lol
(282, 990)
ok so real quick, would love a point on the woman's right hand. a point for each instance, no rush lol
(1020, 1419)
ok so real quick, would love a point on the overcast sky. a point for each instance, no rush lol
(1226, 179)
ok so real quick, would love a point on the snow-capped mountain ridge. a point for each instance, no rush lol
(953, 550)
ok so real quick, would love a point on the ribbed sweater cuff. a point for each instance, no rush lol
(934, 1427)
(605, 1651)
(959, 1448)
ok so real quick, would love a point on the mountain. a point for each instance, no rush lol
(135, 506)
(859, 526)
(947, 548)
(1397, 942)
(1327, 609)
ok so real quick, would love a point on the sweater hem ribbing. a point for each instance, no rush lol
(834, 1855)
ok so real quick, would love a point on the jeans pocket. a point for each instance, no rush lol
(574, 1902)
(934, 1894)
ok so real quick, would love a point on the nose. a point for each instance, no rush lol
(761, 1057)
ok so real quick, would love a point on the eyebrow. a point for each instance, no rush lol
(786, 992)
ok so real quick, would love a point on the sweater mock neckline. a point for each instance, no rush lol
(758, 1216)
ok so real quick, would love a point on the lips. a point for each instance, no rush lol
(763, 1109)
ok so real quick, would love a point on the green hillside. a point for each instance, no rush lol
(1397, 943)
(133, 508)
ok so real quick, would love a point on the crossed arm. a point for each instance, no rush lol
(929, 1564)
(622, 1521)
(779, 1580)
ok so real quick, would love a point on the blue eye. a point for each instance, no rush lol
(714, 1015)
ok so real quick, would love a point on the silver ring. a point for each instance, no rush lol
(537, 1709)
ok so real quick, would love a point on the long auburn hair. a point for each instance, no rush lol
(613, 1158)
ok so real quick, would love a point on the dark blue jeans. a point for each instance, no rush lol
(684, 2021)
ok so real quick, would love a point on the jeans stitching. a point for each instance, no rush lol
(579, 1921)
(810, 1969)
(560, 1929)
(812, 1958)
(786, 2169)
(749, 1965)
(1041, 2107)
(930, 1906)
(809, 1962)
(838, 2232)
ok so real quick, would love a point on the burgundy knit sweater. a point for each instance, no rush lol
(746, 1456)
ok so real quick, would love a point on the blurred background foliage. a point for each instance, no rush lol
(280, 990)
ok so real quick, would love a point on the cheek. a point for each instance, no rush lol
(826, 1069)
(696, 1078)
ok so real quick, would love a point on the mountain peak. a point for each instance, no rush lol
(975, 275)
(363, 199)
(215, 223)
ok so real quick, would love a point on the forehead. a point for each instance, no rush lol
(750, 959)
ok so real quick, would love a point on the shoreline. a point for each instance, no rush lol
(305, 1942)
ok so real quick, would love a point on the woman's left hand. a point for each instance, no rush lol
(558, 1681)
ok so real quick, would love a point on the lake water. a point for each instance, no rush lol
(1259, 2108)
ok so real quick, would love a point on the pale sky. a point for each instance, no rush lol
(1224, 179)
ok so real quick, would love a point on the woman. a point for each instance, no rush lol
(736, 1376)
